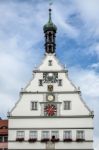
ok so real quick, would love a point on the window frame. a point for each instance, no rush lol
(20, 136)
(60, 82)
(57, 134)
(35, 107)
(67, 135)
(5, 138)
(1, 139)
(46, 136)
(80, 134)
(67, 106)
(50, 62)
(40, 82)
(33, 135)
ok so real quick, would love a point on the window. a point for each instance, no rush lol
(20, 134)
(5, 138)
(60, 82)
(40, 82)
(67, 135)
(80, 135)
(55, 134)
(34, 105)
(50, 63)
(45, 134)
(1, 138)
(4, 127)
(33, 134)
(67, 105)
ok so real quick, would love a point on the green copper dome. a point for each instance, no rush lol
(50, 26)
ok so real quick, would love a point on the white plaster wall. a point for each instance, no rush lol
(51, 122)
(23, 107)
(26, 145)
(78, 107)
(74, 145)
(60, 145)
(56, 64)
(33, 86)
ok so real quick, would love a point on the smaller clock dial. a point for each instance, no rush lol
(50, 97)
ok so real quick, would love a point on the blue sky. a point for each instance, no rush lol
(22, 47)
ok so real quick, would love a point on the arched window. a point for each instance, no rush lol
(4, 127)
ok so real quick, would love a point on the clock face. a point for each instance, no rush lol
(50, 110)
(51, 77)
(50, 97)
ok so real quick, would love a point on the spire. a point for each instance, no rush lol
(50, 31)
(50, 19)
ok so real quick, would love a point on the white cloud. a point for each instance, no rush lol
(62, 22)
(88, 10)
(94, 66)
(96, 143)
(6, 103)
(88, 80)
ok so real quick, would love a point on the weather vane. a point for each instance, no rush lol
(50, 3)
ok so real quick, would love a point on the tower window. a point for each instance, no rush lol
(33, 105)
(50, 62)
(50, 37)
(60, 82)
(40, 82)
(67, 105)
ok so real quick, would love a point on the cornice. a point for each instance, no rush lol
(42, 71)
(54, 92)
(47, 117)
(58, 142)
(83, 128)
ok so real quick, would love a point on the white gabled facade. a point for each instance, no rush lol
(50, 113)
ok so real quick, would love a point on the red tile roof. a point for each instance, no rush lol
(3, 127)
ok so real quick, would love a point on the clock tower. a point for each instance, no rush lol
(50, 112)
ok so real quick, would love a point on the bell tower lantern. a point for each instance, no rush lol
(50, 31)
